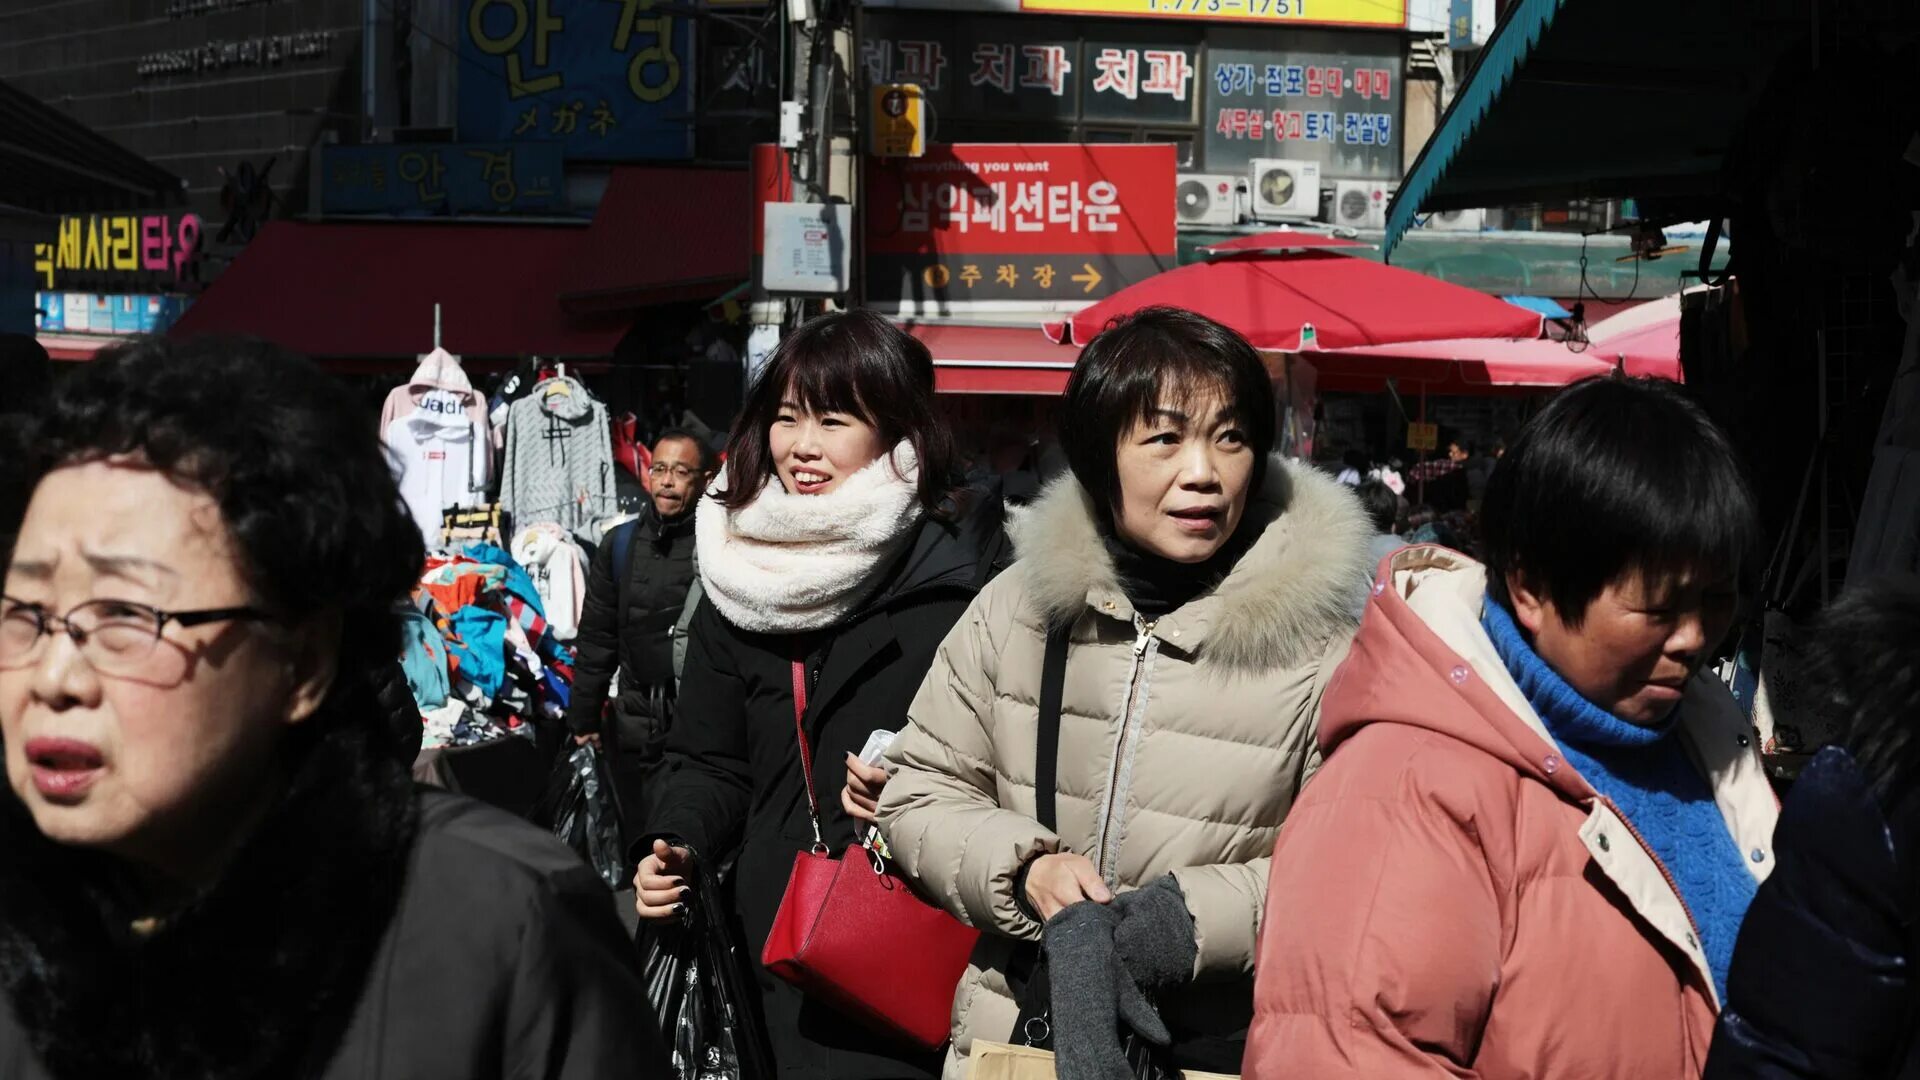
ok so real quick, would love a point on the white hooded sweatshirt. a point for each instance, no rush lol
(440, 457)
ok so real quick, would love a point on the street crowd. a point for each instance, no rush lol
(1189, 760)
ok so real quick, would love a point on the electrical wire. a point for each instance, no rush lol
(1588, 290)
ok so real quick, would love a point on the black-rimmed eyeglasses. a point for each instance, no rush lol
(114, 635)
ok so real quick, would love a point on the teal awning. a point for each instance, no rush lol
(1506, 264)
(1584, 99)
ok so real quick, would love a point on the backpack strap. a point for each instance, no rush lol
(621, 541)
(682, 628)
(1053, 677)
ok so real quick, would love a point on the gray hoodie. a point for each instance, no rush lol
(559, 461)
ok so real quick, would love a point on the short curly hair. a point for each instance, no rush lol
(292, 459)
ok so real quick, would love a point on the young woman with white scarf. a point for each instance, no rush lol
(835, 535)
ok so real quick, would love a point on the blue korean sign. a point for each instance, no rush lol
(441, 178)
(610, 80)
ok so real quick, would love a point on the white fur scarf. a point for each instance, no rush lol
(789, 563)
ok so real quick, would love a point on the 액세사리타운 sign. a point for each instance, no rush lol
(1017, 222)
(1385, 14)
(147, 252)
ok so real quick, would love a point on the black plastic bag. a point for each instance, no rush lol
(581, 808)
(696, 982)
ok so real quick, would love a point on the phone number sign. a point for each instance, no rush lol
(1373, 13)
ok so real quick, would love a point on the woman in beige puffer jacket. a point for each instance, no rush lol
(1183, 740)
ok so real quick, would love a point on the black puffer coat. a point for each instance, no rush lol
(402, 712)
(631, 630)
(368, 931)
(737, 778)
(1823, 982)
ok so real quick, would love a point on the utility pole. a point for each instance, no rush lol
(815, 48)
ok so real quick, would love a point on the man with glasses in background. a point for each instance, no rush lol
(637, 590)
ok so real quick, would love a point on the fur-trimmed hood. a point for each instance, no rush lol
(1182, 742)
(1294, 587)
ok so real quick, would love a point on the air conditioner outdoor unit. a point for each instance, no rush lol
(1457, 220)
(1208, 198)
(1361, 204)
(1284, 189)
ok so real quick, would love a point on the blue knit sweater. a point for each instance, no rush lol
(1648, 775)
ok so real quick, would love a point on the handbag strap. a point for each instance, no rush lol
(1046, 758)
(806, 753)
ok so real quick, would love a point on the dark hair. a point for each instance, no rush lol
(709, 460)
(1380, 503)
(854, 362)
(1615, 475)
(294, 463)
(1863, 670)
(1129, 370)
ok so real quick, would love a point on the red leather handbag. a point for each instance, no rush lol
(851, 932)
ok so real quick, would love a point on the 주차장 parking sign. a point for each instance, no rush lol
(1021, 224)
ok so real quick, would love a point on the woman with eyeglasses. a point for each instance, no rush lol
(216, 865)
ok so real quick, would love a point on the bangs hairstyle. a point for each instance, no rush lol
(853, 362)
(1158, 356)
(1617, 475)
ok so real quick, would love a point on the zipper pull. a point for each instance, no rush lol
(1145, 634)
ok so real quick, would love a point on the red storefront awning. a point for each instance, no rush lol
(995, 359)
(660, 235)
(75, 346)
(369, 289)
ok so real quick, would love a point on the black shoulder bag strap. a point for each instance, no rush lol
(1026, 974)
(1046, 758)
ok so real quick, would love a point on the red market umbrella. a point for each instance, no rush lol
(1462, 366)
(1312, 300)
(1645, 339)
(1281, 240)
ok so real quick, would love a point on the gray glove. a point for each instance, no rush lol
(1155, 938)
(1092, 994)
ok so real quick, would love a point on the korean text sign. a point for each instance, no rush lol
(1000, 222)
(607, 79)
(121, 250)
(441, 178)
(1340, 109)
(1386, 14)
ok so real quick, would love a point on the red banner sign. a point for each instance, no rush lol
(1016, 221)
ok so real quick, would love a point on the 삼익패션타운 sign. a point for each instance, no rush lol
(1011, 222)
